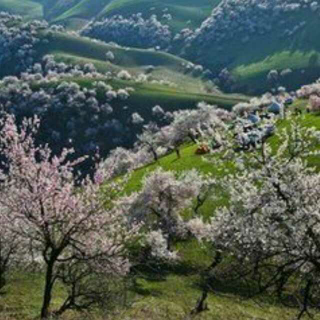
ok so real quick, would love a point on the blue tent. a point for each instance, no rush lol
(253, 118)
(275, 108)
(288, 101)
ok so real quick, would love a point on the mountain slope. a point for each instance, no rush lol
(79, 14)
(166, 293)
(29, 9)
(81, 50)
(76, 13)
(125, 89)
(185, 13)
(250, 40)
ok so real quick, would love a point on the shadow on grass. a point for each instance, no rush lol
(2, 293)
(175, 160)
(142, 291)
(249, 291)
(159, 271)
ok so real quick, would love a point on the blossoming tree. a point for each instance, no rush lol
(71, 229)
(271, 226)
(163, 200)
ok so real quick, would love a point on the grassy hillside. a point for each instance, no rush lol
(29, 9)
(80, 13)
(185, 13)
(143, 99)
(189, 160)
(74, 49)
(250, 62)
(186, 93)
(76, 13)
(79, 50)
(122, 131)
(300, 53)
(168, 294)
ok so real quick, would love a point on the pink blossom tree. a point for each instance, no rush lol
(72, 230)
(10, 246)
(314, 102)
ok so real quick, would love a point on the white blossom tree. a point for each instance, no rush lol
(164, 198)
(270, 227)
(149, 138)
(206, 122)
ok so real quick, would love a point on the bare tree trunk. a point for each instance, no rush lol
(192, 138)
(47, 291)
(155, 155)
(177, 150)
(304, 308)
(201, 304)
(2, 280)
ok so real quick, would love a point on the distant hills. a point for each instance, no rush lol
(93, 93)
(76, 13)
(240, 42)
(252, 38)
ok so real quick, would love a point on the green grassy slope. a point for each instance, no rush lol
(185, 13)
(181, 289)
(186, 94)
(74, 49)
(76, 13)
(146, 96)
(167, 294)
(189, 160)
(81, 13)
(29, 9)
(251, 62)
